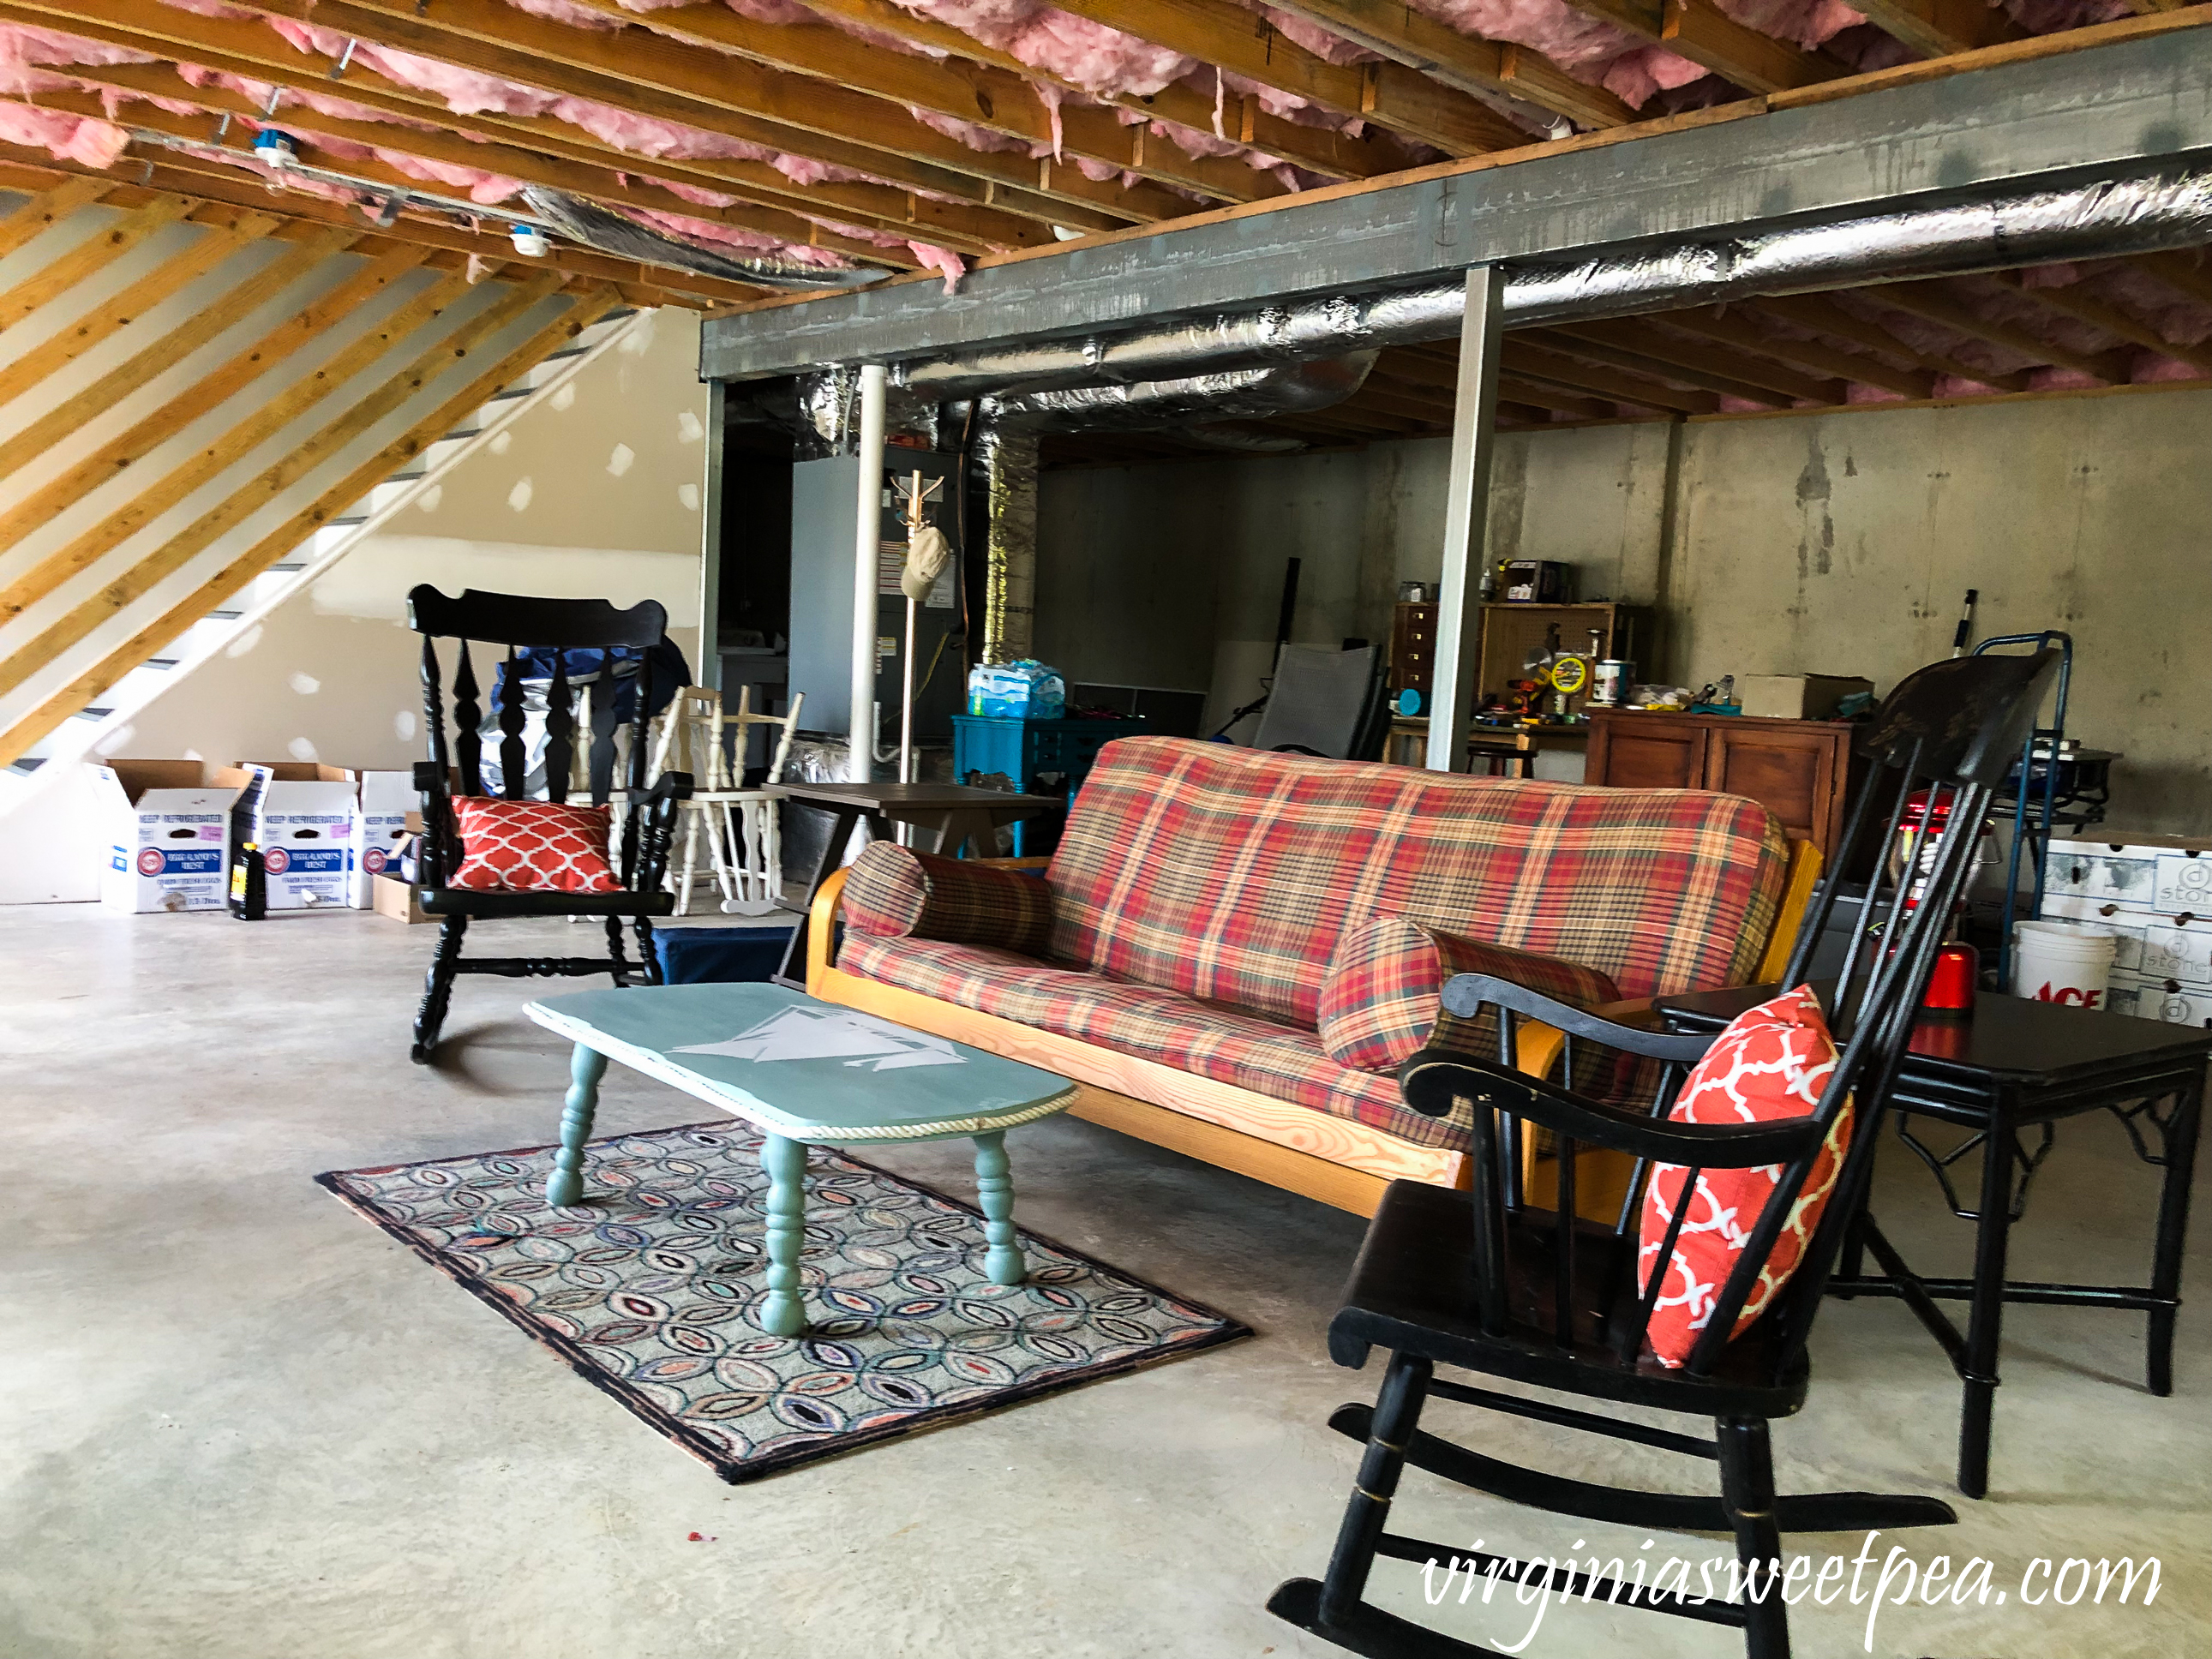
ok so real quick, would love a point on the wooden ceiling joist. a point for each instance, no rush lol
(235, 575)
(1731, 368)
(1528, 359)
(2099, 314)
(1645, 359)
(668, 80)
(1817, 312)
(1940, 28)
(1397, 98)
(270, 484)
(1933, 302)
(1735, 330)
(65, 345)
(1701, 32)
(565, 158)
(248, 49)
(604, 184)
(1331, 155)
(2180, 273)
(204, 325)
(1411, 41)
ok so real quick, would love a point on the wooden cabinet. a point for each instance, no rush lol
(1799, 770)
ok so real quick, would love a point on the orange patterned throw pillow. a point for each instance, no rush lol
(1771, 1062)
(532, 847)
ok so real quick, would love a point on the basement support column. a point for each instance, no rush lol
(708, 672)
(1452, 680)
(867, 532)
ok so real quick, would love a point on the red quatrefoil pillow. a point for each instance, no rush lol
(1771, 1062)
(532, 847)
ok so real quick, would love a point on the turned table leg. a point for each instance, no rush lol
(995, 1196)
(783, 1314)
(565, 1186)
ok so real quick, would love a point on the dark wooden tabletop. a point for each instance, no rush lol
(2009, 1037)
(915, 797)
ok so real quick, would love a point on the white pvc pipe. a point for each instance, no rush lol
(906, 701)
(867, 533)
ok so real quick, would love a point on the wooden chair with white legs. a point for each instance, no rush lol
(690, 740)
(750, 827)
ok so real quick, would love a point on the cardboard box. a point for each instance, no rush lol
(166, 823)
(2166, 875)
(2168, 999)
(387, 801)
(399, 901)
(304, 825)
(1795, 697)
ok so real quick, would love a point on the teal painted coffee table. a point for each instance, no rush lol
(804, 1073)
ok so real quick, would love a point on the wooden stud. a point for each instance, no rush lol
(113, 457)
(1933, 302)
(1810, 354)
(234, 444)
(2099, 314)
(233, 577)
(1818, 312)
(1938, 28)
(47, 210)
(96, 253)
(66, 345)
(1729, 370)
(1413, 41)
(295, 464)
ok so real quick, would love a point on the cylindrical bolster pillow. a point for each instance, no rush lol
(1379, 1000)
(895, 892)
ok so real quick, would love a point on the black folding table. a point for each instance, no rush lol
(2012, 1070)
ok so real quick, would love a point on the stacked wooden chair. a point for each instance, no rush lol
(456, 768)
(739, 825)
(1483, 1282)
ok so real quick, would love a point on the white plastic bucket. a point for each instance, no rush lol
(2054, 962)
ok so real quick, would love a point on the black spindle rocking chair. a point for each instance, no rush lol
(457, 769)
(1484, 1281)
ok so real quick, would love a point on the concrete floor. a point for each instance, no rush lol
(240, 1421)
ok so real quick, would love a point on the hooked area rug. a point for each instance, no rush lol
(649, 1287)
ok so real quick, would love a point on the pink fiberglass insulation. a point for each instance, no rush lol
(712, 198)
(942, 260)
(1802, 23)
(561, 11)
(1330, 48)
(686, 228)
(22, 48)
(85, 139)
(2048, 16)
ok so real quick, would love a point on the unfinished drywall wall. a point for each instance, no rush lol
(594, 496)
(1838, 544)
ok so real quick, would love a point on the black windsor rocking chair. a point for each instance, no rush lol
(1483, 1282)
(457, 769)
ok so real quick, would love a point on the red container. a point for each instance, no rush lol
(1957, 976)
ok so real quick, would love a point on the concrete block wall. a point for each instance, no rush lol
(1838, 542)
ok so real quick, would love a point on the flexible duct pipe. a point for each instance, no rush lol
(867, 532)
(2099, 220)
(1010, 483)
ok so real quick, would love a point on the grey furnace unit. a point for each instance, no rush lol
(824, 499)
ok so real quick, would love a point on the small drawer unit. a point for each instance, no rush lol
(1037, 757)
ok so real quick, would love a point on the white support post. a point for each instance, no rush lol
(1452, 679)
(867, 533)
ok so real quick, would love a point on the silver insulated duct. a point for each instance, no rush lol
(2099, 220)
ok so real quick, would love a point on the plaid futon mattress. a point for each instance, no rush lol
(1268, 1058)
(1228, 874)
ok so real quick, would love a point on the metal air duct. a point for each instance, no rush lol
(2098, 220)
